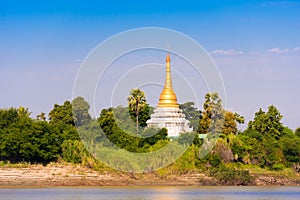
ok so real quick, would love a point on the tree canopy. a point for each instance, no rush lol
(191, 113)
(81, 111)
(266, 142)
(136, 102)
(216, 120)
(268, 123)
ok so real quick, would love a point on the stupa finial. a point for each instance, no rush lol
(168, 97)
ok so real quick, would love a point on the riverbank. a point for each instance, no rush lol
(75, 175)
(58, 174)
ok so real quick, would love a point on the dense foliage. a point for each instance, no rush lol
(265, 143)
(23, 139)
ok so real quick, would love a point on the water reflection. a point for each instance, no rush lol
(151, 193)
(167, 193)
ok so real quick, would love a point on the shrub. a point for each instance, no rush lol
(214, 160)
(278, 166)
(231, 176)
(291, 149)
(73, 151)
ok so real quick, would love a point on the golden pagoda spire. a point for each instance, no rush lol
(167, 98)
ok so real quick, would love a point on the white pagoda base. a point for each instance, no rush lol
(170, 118)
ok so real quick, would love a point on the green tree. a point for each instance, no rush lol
(7, 117)
(297, 132)
(290, 145)
(16, 127)
(248, 147)
(212, 117)
(274, 154)
(123, 140)
(62, 113)
(107, 121)
(62, 122)
(191, 113)
(238, 118)
(190, 138)
(110, 126)
(268, 123)
(152, 135)
(41, 116)
(136, 101)
(24, 139)
(92, 134)
(230, 122)
(123, 120)
(81, 111)
(46, 143)
(144, 115)
(73, 151)
(23, 112)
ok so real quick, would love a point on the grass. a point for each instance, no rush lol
(14, 165)
(255, 170)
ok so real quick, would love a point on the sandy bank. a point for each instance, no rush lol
(71, 175)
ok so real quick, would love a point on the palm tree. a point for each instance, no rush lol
(136, 101)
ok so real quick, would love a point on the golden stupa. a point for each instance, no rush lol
(167, 114)
(167, 98)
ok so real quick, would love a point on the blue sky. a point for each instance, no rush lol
(255, 45)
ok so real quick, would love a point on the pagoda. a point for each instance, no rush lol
(167, 114)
